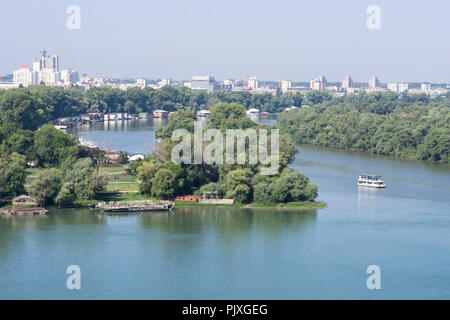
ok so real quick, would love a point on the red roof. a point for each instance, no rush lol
(25, 66)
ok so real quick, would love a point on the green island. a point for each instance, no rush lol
(38, 159)
(46, 163)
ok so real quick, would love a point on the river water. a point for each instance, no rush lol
(245, 253)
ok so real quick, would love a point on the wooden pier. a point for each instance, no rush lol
(23, 211)
(24, 205)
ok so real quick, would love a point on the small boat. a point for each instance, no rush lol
(371, 180)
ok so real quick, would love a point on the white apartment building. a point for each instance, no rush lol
(165, 82)
(425, 87)
(319, 83)
(398, 87)
(207, 83)
(69, 76)
(49, 77)
(141, 82)
(23, 76)
(252, 83)
(285, 85)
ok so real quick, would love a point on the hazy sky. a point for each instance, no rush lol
(282, 39)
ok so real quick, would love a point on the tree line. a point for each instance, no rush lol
(34, 105)
(160, 177)
(408, 126)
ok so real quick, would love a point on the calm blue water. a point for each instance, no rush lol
(243, 253)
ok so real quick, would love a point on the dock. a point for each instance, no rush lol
(24, 205)
(23, 211)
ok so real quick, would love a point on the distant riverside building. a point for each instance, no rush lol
(374, 82)
(47, 68)
(320, 83)
(23, 76)
(398, 87)
(46, 62)
(7, 85)
(425, 87)
(142, 82)
(165, 82)
(347, 82)
(252, 83)
(69, 76)
(44, 70)
(207, 83)
(285, 85)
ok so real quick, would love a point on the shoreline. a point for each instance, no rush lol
(297, 205)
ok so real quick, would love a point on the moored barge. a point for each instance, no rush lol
(134, 206)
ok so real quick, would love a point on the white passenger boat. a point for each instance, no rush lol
(371, 180)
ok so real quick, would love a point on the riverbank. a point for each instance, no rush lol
(106, 197)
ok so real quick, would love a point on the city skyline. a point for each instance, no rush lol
(158, 40)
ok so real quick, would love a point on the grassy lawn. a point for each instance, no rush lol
(33, 172)
(119, 180)
(122, 186)
(125, 182)
(113, 170)
(107, 197)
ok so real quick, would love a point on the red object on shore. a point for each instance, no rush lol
(188, 198)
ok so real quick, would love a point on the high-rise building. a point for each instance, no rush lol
(398, 87)
(425, 87)
(44, 69)
(207, 83)
(48, 62)
(374, 82)
(252, 83)
(284, 85)
(23, 76)
(69, 76)
(165, 82)
(320, 83)
(49, 77)
(347, 82)
(141, 82)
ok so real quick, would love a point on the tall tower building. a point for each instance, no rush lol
(374, 82)
(252, 83)
(320, 83)
(347, 82)
(284, 85)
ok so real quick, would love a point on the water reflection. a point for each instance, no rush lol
(133, 136)
(368, 194)
(227, 221)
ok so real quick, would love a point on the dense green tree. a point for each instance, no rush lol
(379, 123)
(164, 184)
(46, 185)
(51, 146)
(238, 185)
(12, 175)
